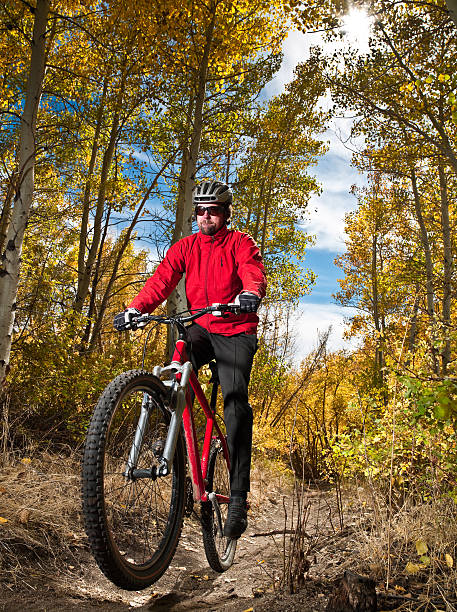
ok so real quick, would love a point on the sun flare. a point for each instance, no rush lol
(356, 26)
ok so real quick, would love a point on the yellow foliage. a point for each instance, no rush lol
(413, 568)
(421, 547)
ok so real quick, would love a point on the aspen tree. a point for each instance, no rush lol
(11, 254)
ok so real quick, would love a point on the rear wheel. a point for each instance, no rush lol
(219, 550)
(133, 517)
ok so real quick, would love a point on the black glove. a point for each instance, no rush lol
(126, 319)
(249, 302)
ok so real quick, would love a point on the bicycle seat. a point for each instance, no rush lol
(214, 375)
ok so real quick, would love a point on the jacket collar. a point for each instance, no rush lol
(219, 236)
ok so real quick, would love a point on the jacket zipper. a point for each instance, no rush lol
(206, 278)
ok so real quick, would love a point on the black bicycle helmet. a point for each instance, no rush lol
(212, 191)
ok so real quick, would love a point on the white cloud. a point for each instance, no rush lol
(326, 212)
(356, 32)
(338, 136)
(295, 49)
(333, 171)
(327, 225)
(317, 318)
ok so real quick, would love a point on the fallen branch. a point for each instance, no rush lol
(278, 532)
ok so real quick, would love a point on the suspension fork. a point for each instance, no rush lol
(179, 386)
(139, 433)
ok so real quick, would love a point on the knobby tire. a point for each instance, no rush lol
(133, 525)
(219, 550)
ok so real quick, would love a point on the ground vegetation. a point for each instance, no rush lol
(109, 114)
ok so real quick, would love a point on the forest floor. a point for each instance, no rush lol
(46, 565)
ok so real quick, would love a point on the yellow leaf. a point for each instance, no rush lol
(412, 568)
(421, 547)
(449, 560)
(26, 461)
(425, 560)
(249, 610)
(3, 520)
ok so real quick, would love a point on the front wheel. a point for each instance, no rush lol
(133, 517)
(219, 550)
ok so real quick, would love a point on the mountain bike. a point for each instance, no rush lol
(134, 470)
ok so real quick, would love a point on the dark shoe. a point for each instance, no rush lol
(237, 519)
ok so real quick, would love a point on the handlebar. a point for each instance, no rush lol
(218, 310)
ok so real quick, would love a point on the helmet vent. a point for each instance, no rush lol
(212, 191)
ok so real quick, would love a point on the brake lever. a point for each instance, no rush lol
(217, 313)
(223, 313)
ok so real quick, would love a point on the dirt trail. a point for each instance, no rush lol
(189, 584)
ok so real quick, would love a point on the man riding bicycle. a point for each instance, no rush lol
(220, 265)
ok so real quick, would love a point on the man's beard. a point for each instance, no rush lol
(210, 230)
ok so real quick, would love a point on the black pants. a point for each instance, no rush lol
(234, 356)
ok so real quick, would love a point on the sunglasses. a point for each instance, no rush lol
(215, 211)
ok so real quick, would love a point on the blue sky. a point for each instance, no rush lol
(319, 310)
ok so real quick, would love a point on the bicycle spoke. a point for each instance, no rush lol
(219, 550)
(139, 509)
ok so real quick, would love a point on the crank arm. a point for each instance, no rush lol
(213, 499)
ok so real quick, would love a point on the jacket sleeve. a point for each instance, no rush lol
(250, 267)
(159, 286)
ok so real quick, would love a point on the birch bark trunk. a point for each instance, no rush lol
(452, 8)
(379, 354)
(11, 255)
(177, 301)
(84, 231)
(413, 327)
(448, 265)
(6, 210)
(183, 226)
(85, 275)
(430, 295)
(123, 244)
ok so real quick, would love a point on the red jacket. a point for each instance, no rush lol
(217, 269)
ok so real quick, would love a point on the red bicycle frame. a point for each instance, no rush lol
(199, 467)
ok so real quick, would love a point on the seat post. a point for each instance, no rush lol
(215, 380)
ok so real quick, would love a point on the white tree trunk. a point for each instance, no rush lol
(177, 302)
(448, 268)
(430, 294)
(11, 255)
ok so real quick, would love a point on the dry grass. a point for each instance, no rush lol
(43, 548)
(269, 480)
(40, 500)
(39, 505)
(412, 553)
